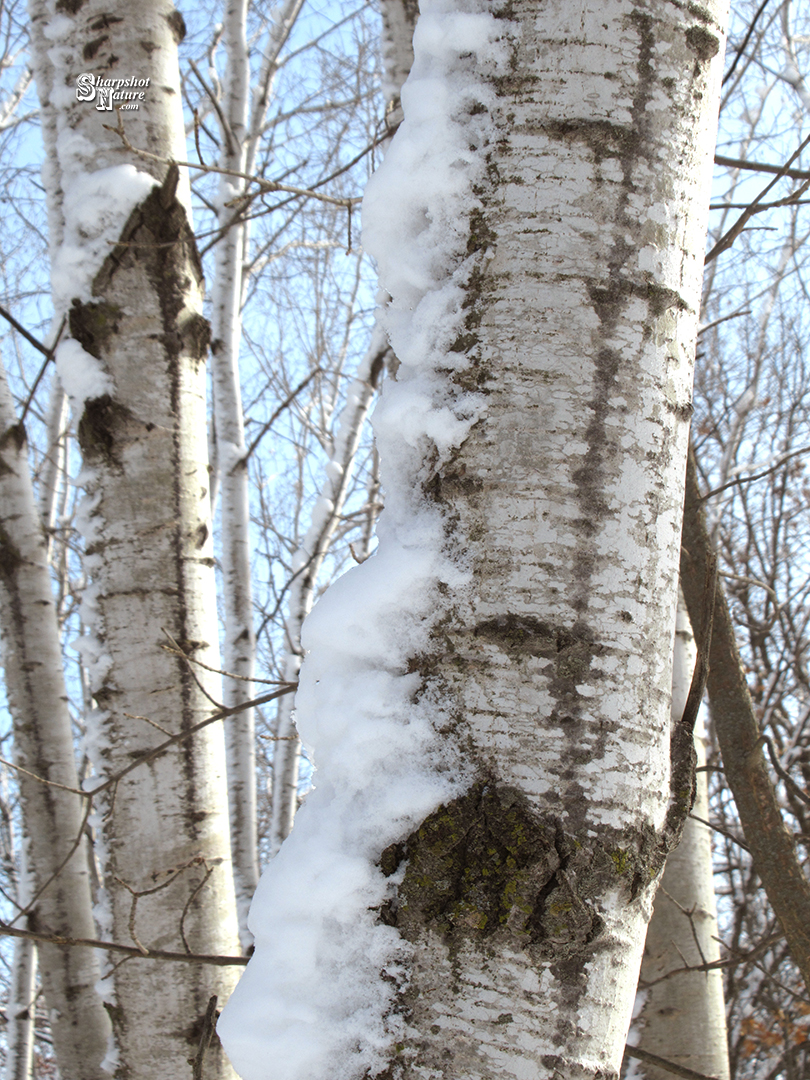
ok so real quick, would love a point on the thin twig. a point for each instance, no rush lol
(740, 480)
(214, 670)
(208, 872)
(150, 755)
(284, 405)
(728, 238)
(208, 1027)
(263, 185)
(723, 832)
(761, 166)
(794, 787)
(128, 951)
(161, 748)
(28, 336)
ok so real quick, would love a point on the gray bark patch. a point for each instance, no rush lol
(702, 42)
(487, 865)
(102, 425)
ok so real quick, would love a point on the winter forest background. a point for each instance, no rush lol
(295, 473)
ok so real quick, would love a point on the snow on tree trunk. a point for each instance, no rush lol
(399, 19)
(306, 564)
(129, 274)
(466, 892)
(683, 1018)
(43, 745)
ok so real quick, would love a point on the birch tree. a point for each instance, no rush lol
(240, 133)
(60, 904)
(680, 1014)
(127, 273)
(489, 694)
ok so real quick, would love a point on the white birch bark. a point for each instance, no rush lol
(52, 478)
(306, 565)
(398, 22)
(21, 1009)
(481, 893)
(239, 638)
(129, 272)
(22, 992)
(566, 500)
(682, 1018)
(43, 745)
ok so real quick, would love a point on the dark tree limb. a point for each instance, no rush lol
(771, 844)
(663, 1063)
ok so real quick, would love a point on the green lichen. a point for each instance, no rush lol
(621, 860)
(485, 864)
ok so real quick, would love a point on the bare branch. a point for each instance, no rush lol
(128, 951)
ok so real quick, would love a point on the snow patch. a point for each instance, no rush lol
(96, 207)
(318, 997)
(82, 375)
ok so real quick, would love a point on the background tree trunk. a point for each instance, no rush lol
(682, 1017)
(43, 745)
(21, 1013)
(239, 638)
(135, 370)
(772, 846)
(399, 20)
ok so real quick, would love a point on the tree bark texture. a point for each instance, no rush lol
(399, 19)
(526, 898)
(136, 324)
(682, 1017)
(501, 667)
(43, 745)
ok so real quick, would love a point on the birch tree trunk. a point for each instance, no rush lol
(43, 745)
(21, 1009)
(566, 497)
(239, 640)
(129, 272)
(22, 992)
(498, 675)
(682, 1017)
